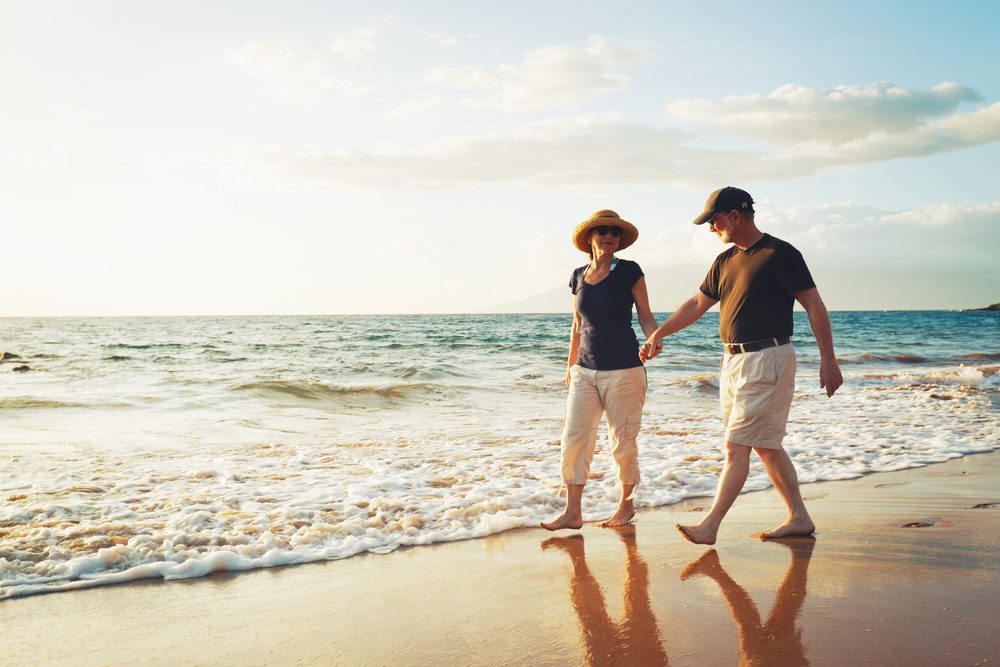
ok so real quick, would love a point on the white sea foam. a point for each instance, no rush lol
(104, 518)
(217, 444)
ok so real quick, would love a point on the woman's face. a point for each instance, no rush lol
(606, 242)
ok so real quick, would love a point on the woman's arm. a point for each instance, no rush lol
(574, 342)
(641, 296)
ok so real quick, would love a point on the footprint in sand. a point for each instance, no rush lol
(922, 523)
(985, 506)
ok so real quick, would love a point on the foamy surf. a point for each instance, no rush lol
(177, 463)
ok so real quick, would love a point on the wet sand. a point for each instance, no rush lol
(905, 569)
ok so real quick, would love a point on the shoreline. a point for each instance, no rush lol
(865, 589)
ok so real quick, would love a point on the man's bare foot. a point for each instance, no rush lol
(563, 521)
(697, 534)
(791, 528)
(622, 516)
(707, 564)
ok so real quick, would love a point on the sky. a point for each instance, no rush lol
(195, 158)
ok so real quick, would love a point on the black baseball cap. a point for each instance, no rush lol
(723, 200)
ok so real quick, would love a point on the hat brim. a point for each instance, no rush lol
(704, 217)
(581, 235)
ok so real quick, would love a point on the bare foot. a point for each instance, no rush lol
(563, 521)
(791, 528)
(622, 516)
(707, 564)
(697, 534)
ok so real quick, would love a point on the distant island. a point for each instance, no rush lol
(995, 306)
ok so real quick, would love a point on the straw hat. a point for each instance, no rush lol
(581, 235)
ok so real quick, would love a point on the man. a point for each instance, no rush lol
(757, 281)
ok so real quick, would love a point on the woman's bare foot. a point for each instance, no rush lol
(622, 516)
(791, 528)
(564, 520)
(699, 534)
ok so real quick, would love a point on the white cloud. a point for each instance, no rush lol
(617, 53)
(554, 76)
(940, 215)
(442, 39)
(959, 130)
(72, 116)
(851, 234)
(800, 115)
(609, 149)
(292, 75)
(356, 45)
(584, 149)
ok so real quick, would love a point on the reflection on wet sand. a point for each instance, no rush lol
(634, 641)
(776, 641)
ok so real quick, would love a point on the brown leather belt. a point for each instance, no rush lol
(753, 346)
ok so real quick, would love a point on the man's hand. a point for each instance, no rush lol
(652, 347)
(830, 377)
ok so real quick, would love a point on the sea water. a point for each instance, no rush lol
(175, 447)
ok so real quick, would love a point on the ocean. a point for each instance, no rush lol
(174, 447)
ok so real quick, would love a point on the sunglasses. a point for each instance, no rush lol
(604, 231)
(715, 218)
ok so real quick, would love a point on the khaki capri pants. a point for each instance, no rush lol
(620, 394)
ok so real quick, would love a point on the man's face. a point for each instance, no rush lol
(721, 224)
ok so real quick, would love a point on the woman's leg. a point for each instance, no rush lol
(624, 394)
(583, 415)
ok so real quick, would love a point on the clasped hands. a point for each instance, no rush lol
(650, 348)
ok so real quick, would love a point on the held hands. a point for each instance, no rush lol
(830, 377)
(652, 347)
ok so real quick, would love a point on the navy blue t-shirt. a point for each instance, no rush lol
(607, 340)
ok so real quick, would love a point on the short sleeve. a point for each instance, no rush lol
(572, 280)
(791, 271)
(634, 273)
(710, 285)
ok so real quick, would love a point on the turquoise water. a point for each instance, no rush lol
(172, 447)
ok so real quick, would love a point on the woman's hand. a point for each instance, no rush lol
(568, 376)
(652, 347)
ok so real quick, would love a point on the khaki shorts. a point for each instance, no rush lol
(620, 395)
(755, 389)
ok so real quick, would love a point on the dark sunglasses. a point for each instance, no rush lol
(604, 231)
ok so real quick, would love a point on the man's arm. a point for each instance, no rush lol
(830, 377)
(686, 314)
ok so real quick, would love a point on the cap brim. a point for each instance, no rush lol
(704, 217)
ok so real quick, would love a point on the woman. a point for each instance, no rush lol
(604, 373)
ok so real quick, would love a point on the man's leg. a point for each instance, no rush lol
(782, 473)
(734, 476)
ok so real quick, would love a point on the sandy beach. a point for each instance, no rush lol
(903, 570)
